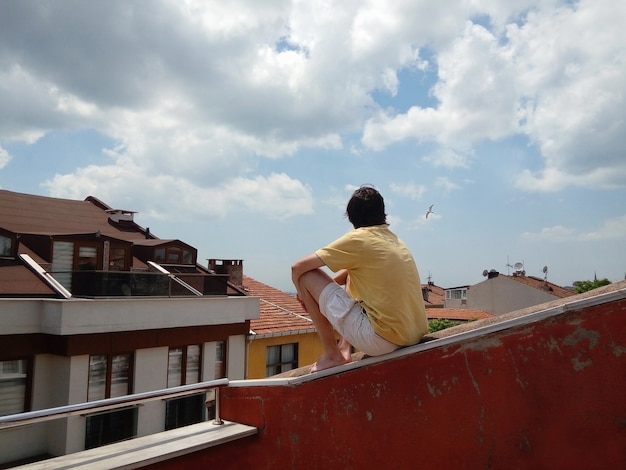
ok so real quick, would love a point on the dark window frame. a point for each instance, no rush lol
(174, 254)
(109, 373)
(28, 382)
(116, 425)
(221, 366)
(280, 366)
(78, 244)
(12, 244)
(184, 363)
(185, 410)
(110, 426)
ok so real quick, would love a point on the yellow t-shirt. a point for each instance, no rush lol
(384, 279)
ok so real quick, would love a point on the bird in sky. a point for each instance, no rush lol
(430, 210)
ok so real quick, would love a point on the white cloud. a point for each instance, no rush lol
(410, 190)
(420, 222)
(445, 184)
(5, 158)
(555, 234)
(199, 93)
(572, 66)
(449, 158)
(476, 97)
(611, 229)
(555, 75)
(277, 195)
(552, 179)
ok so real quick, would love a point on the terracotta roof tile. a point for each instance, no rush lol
(436, 295)
(280, 312)
(463, 314)
(544, 285)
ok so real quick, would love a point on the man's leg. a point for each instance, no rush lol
(311, 285)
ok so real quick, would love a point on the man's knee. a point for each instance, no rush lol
(315, 281)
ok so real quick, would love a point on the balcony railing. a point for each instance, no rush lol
(138, 451)
(124, 283)
(33, 417)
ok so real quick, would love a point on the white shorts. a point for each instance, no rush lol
(350, 321)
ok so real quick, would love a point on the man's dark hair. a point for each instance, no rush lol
(366, 208)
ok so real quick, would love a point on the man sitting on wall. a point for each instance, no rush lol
(381, 307)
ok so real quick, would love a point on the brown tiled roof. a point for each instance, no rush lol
(436, 294)
(27, 213)
(544, 285)
(157, 242)
(280, 312)
(18, 281)
(463, 314)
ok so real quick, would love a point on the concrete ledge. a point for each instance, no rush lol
(142, 451)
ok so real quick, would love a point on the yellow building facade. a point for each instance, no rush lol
(262, 349)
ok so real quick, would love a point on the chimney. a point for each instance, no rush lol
(119, 215)
(425, 291)
(493, 273)
(232, 267)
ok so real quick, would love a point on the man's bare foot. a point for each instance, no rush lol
(326, 363)
(346, 349)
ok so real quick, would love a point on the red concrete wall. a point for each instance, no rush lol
(548, 395)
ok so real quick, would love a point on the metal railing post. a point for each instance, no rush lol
(218, 420)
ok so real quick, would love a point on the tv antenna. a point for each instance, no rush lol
(545, 272)
(508, 265)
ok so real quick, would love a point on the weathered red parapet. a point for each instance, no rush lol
(540, 388)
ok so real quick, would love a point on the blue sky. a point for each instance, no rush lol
(242, 127)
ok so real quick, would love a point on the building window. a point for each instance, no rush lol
(183, 368)
(185, 411)
(173, 255)
(281, 358)
(220, 359)
(6, 246)
(87, 259)
(457, 294)
(109, 377)
(114, 426)
(13, 386)
(117, 259)
(221, 371)
(62, 262)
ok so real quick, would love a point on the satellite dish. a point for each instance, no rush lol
(485, 273)
(518, 266)
(545, 269)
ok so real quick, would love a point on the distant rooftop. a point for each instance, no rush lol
(462, 314)
(280, 312)
(27, 213)
(542, 284)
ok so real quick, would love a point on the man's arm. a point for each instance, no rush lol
(303, 265)
(341, 277)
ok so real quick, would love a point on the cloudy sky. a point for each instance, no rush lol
(242, 127)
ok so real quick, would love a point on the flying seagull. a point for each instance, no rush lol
(430, 210)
